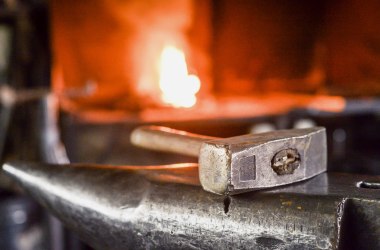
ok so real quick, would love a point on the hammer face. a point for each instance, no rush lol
(249, 162)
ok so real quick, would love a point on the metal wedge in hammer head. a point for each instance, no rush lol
(244, 163)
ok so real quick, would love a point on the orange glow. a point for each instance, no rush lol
(177, 86)
(328, 103)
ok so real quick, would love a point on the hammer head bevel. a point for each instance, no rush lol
(256, 161)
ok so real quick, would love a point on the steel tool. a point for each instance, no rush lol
(244, 163)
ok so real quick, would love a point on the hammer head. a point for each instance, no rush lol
(256, 161)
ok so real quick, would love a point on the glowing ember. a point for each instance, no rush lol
(177, 86)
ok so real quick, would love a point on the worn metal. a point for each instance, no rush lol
(286, 161)
(245, 163)
(117, 209)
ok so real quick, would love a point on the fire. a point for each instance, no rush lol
(178, 88)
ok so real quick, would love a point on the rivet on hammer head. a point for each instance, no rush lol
(286, 161)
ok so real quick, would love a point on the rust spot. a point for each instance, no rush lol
(287, 203)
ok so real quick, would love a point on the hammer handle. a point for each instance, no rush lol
(168, 140)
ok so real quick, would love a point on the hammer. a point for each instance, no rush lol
(244, 163)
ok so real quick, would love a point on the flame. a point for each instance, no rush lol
(177, 86)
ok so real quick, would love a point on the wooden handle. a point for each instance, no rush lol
(168, 140)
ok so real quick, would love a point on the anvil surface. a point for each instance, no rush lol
(119, 209)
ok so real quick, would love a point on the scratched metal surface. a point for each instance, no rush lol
(233, 173)
(113, 209)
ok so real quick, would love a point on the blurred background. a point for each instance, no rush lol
(76, 77)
